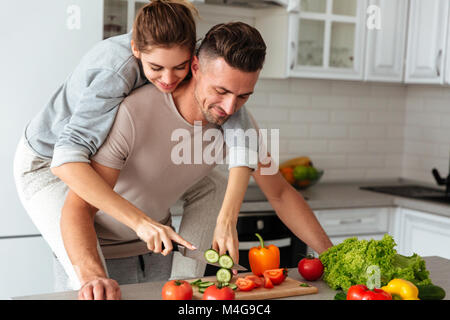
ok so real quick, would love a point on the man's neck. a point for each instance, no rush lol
(186, 103)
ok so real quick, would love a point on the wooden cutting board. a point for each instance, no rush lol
(288, 288)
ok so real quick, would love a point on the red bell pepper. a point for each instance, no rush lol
(361, 292)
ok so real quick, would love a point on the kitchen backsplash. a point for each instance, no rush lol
(427, 131)
(358, 131)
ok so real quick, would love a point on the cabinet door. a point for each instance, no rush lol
(26, 267)
(385, 47)
(426, 41)
(327, 38)
(423, 233)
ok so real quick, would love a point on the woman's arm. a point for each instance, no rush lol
(225, 234)
(94, 184)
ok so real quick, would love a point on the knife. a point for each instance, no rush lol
(199, 255)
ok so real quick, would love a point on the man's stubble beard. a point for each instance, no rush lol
(207, 114)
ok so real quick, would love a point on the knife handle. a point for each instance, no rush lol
(175, 246)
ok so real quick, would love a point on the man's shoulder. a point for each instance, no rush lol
(143, 99)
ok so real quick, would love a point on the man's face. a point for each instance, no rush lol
(220, 90)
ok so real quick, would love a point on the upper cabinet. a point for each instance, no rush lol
(386, 39)
(326, 39)
(427, 35)
(366, 40)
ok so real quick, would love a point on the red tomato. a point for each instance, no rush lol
(177, 290)
(267, 282)
(215, 293)
(310, 268)
(361, 292)
(259, 281)
(245, 284)
(276, 276)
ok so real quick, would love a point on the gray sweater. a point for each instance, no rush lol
(77, 119)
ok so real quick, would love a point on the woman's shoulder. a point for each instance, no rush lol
(113, 54)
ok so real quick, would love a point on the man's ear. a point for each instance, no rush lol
(135, 51)
(195, 65)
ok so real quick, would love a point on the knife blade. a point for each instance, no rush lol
(199, 255)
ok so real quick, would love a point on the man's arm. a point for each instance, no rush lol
(292, 209)
(80, 241)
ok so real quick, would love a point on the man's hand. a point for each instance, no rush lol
(156, 234)
(226, 239)
(100, 289)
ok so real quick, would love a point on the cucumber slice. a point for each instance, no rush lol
(201, 290)
(232, 286)
(225, 261)
(223, 275)
(205, 284)
(196, 282)
(211, 255)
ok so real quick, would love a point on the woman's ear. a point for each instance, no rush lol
(135, 51)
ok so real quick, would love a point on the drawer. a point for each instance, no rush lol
(354, 222)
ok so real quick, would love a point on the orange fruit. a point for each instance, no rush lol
(288, 174)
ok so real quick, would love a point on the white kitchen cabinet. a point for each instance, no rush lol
(385, 43)
(427, 33)
(26, 267)
(363, 223)
(423, 233)
(327, 39)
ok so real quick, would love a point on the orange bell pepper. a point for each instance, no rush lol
(263, 258)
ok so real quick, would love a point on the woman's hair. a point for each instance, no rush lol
(165, 23)
(238, 43)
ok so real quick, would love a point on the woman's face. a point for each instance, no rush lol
(165, 67)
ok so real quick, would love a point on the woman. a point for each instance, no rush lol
(53, 155)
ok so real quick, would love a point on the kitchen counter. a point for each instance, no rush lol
(439, 273)
(341, 195)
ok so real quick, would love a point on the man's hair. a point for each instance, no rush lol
(239, 44)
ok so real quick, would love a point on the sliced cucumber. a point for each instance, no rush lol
(196, 282)
(211, 255)
(201, 290)
(205, 284)
(232, 286)
(223, 275)
(225, 261)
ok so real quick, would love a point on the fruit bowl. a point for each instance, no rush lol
(300, 172)
(303, 184)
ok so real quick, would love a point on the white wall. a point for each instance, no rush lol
(38, 52)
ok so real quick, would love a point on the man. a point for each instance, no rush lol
(224, 73)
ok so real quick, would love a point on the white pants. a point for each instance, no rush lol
(43, 194)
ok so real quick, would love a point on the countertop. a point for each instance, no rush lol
(439, 273)
(340, 195)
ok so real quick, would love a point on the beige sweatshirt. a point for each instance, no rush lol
(140, 145)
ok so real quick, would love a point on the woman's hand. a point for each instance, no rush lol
(156, 235)
(226, 239)
(100, 288)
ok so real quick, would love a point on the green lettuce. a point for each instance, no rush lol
(346, 263)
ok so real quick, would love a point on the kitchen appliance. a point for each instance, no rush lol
(257, 216)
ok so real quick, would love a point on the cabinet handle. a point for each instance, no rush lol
(438, 63)
(350, 221)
